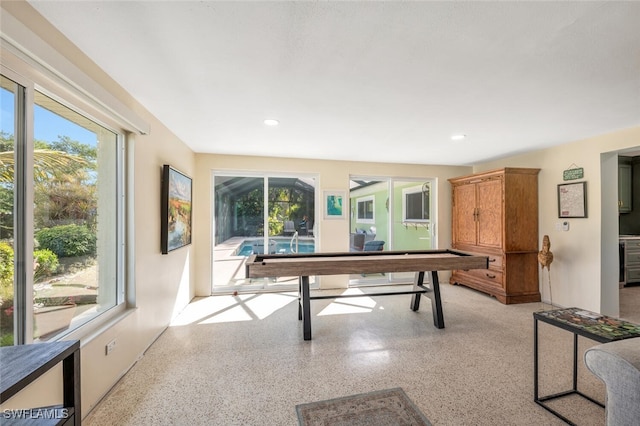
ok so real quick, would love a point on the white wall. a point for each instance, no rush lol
(584, 271)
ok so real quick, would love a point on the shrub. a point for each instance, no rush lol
(68, 240)
(6, 272)
(46, 264)
(6, 339)
(6, 294)
(6, 262)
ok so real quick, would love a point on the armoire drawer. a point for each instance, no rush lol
(488, 276)
(495, 261)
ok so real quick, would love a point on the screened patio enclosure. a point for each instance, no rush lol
(259, 214)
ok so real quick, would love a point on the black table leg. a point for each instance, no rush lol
(433, 294)
(299, 299)
(306, 308)
(535, 360)
(575, 362)
(71, 385)
(415, 298)
(536, 372)
(436, 302)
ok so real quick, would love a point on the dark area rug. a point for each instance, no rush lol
(379, 408)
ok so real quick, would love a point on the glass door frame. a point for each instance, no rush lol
(392, 278)
(262, 285)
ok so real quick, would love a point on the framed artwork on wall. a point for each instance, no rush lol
(334, 204)
(572, 200)
(175, 222)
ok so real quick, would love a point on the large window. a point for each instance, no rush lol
(9, 93)
(61, 217)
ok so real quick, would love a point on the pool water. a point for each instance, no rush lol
(256, 246)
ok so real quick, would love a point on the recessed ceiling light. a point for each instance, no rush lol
(458, 137)
(271, 122)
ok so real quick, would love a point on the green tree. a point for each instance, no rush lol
(64, 181)
(47, 161)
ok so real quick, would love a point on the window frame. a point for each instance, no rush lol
(27, 73)
(410, 191)
(364, 200)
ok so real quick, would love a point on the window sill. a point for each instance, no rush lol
(92, 329)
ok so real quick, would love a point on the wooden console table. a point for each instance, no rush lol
(23, 364)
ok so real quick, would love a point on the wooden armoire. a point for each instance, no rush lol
(495, 214)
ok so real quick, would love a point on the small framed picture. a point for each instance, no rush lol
(335, 204)
(572, 200)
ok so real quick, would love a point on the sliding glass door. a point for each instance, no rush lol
(259, 214)
(390, 214)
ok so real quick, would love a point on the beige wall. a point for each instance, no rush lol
(334, 175)
(163, 284)
(586, 256)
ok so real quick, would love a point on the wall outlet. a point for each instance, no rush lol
(565, 225)
(110, 347)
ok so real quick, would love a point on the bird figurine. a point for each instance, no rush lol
(545, 257)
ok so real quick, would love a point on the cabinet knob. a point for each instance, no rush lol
(490, 276)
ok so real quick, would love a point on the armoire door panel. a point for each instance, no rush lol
(489, 213)
(464, 205)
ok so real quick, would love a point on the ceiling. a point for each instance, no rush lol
(369, 81)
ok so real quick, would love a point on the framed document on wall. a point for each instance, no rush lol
(572, 200)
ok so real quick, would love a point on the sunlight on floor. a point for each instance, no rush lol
(351, 305)
(249, 307)
(244, 307)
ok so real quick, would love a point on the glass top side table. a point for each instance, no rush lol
(580, 322)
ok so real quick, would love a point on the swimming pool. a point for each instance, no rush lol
(276, 246)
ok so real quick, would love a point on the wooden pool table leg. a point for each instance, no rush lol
(306, 308)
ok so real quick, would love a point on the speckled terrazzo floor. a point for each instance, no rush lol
(242, 361)
(630, 303)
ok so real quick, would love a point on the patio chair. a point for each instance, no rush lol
(375, 245)
(289, 227)
(356, 242)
